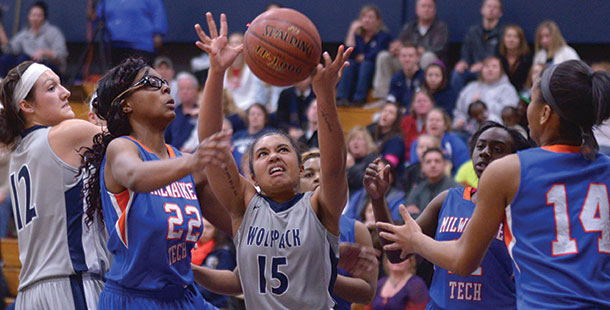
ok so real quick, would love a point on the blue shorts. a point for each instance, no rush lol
(116, 297)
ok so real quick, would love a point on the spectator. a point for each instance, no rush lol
(6, 210)
(401, 288)
(413, 174)
(602, 132)
(551, 48)
(515, 55)
(534, 73)
(136, 27)
(428, 33)
(511, 118)
(232, 113)
(414, 123)
(40, 42)
(433, 167)
(292, 106)
(368, 38)
(165, 67)
(244, 86)
(361, 149)
(437, 125)
(215, 251)
(435, 82)
(386, 65)
(257, 119)
(477, 115)
(387, 136)
(493, 88)
(408, 80)
(185, 123)
(309, 138)
(480, 42)
(466, 175)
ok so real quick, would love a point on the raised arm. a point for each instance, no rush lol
(332, 193)
(69, 138)
(497, 189)
(221, 57)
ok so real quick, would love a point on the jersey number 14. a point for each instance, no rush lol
(594, 217)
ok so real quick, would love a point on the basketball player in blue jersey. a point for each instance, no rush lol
(491, 286)
(36, 121)
(286, 241)
(553, 201)
(147, 193)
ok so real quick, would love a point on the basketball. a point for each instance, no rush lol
(282, 46)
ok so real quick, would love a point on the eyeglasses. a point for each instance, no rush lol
(152, 81)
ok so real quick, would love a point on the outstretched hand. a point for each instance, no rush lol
(213, 150)
(327, 76)
(357, 260)
(377, 179)
(221, 54)
(403, 237)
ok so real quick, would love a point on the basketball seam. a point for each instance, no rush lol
(290, 23)
(280, 49)
(272, 73)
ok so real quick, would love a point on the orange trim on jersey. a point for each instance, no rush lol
(122, 200)
(561, 148)
(508, 236)
(468, 193)
(140, 144)
(170, 151)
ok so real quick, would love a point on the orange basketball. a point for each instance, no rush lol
(282, 46)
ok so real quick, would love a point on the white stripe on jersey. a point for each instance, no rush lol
(117, 209)
(513, 239)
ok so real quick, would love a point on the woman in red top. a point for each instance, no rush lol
(413, 124)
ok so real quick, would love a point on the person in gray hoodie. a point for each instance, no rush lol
(492, 87)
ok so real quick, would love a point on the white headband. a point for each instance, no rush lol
(26, 82)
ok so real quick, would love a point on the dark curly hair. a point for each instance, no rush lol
(12, 122)
(117, 80)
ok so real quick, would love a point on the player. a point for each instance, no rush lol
(553, 201)
(491, 286)
(63, 261)
(286, 242)
(148, 192)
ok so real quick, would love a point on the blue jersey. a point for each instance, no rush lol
(347, 226)
(151, 234)
(491, 286)
(558, 230)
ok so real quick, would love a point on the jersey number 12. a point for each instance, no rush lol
(594, 217)
(30, 208)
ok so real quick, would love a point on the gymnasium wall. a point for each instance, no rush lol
(581, 21)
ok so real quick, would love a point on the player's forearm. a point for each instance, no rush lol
(449, 255)
(148, 176)
(354, 290)
(210, 105)
(226, 185)
(382, 214)
(224, 282)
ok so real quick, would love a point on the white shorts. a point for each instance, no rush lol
(74, 292)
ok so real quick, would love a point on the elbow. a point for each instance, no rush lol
(367, 298)
(464, 268)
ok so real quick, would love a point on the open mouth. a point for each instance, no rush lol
(481, 166)
(170, 103)
(276, 170)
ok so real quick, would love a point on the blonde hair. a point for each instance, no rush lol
(523, 48)
(557, 40)
(377, 13)
(370, 145)
(228, 104)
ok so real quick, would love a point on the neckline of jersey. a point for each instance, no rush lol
(561, 148)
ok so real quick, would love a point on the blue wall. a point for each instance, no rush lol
(581, 21)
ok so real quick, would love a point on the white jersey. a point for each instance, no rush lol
(285, 256)
(49, 214)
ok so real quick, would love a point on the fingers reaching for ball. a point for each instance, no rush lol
(221, 54)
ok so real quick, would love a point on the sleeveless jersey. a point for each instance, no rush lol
(49, 215)
(151, 234)
(286, 257)
(491, 286)
(558, 230)
(347, 226)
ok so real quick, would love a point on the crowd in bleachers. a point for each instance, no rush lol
(428, 110)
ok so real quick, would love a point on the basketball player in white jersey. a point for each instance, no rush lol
(37, 121)
(286, 242)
